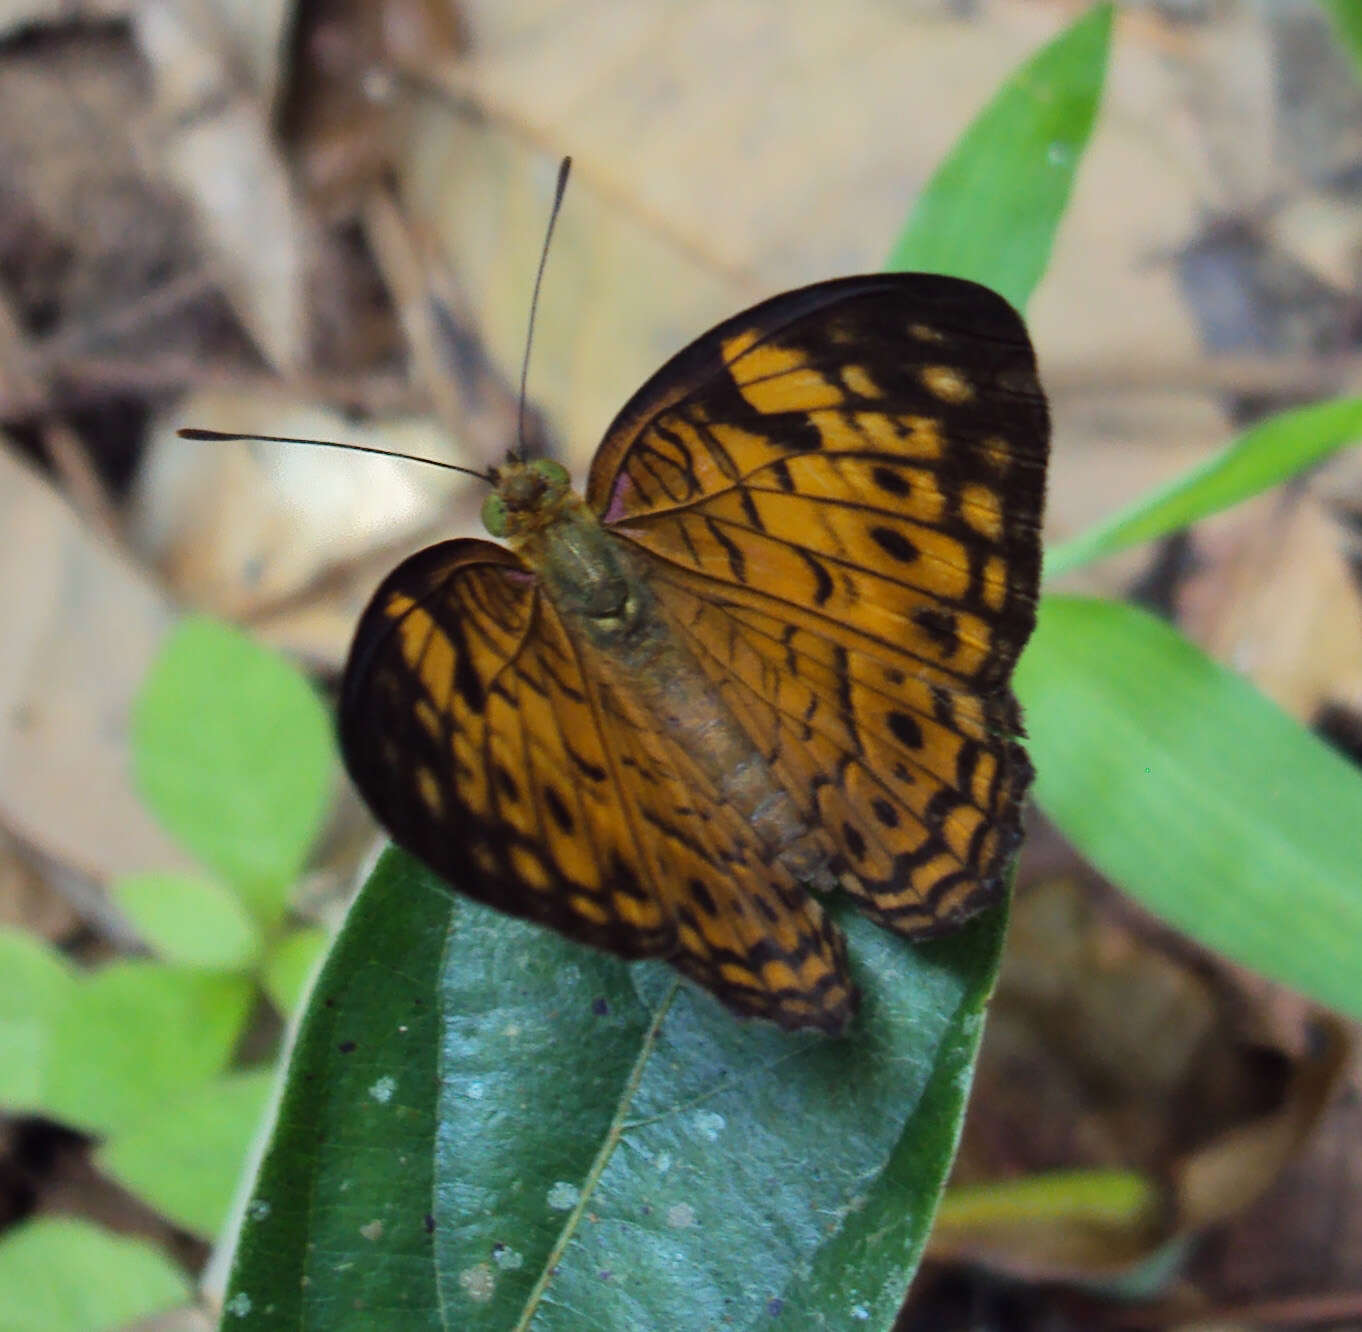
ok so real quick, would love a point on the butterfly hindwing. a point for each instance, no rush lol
(836, 497)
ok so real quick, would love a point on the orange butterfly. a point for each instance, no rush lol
(769, 651)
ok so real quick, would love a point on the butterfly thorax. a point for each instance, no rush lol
(601, 593)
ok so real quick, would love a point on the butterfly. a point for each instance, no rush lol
(765, 657)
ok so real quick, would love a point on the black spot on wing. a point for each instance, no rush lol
(559, 812)
(894, 544)
(940, 626)
(702, 897)
(890, 481)
(906, 729)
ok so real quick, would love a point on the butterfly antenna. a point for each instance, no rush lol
(564, 167)
(217, 436)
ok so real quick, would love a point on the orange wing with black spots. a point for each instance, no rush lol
(497, 750)
(836, 498)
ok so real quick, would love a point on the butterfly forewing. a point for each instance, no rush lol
(837, 498)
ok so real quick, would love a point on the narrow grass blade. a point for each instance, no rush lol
(991, 210)
(1271, 452)
(1346, 16)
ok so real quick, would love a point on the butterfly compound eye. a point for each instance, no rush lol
(494, 515)
(555, 474)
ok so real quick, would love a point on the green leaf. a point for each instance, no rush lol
(62, 1275)
(1118, 1198)
(991, 210)
(1271, 452)
(1346, 16)
(189, 921)
(483, 1120)
(137, 1034)
(186, 1155)
(232, 750)
(1183, 784)
(291, 965)
(36, 985)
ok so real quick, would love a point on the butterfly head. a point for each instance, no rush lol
(527, 495)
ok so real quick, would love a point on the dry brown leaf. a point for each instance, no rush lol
(1274, 599)
(343, 120)
(245, 530)
(214, 143)
(81, 627)
(698, 192)
(16, 15)
(1108, 1050)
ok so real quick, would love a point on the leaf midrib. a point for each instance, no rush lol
(613, 1134)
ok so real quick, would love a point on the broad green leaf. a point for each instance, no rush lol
(1271, 452)
(137, 1034)
(1183, 784)
(291, 965)
(185, 1156)
(189, 921)
(232, 750)
(1346, 16)
(63, 1275)
(488, 1127)
(36, 985)
(991, 209)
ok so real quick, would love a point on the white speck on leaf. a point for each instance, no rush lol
(257, 1209)
(382, 1090)
(373, 1230)
(563, 1196)
(475, 1091)
(479, 1281)
(861, 1314)
(239, 1305)
(709, 1124)
(507, 1258)
(680, 1216)
(663, 1162)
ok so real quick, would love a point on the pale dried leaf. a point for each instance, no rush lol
(19, 14)
(81, 627)
(1274, 598)
(696, 195)
(236, 528)
(218, 150)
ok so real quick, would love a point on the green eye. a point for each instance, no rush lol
(554, 474)
(494, 515)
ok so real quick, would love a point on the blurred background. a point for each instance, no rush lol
(323, 218)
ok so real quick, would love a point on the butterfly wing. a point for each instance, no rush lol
(495, 752)
(836, 497)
